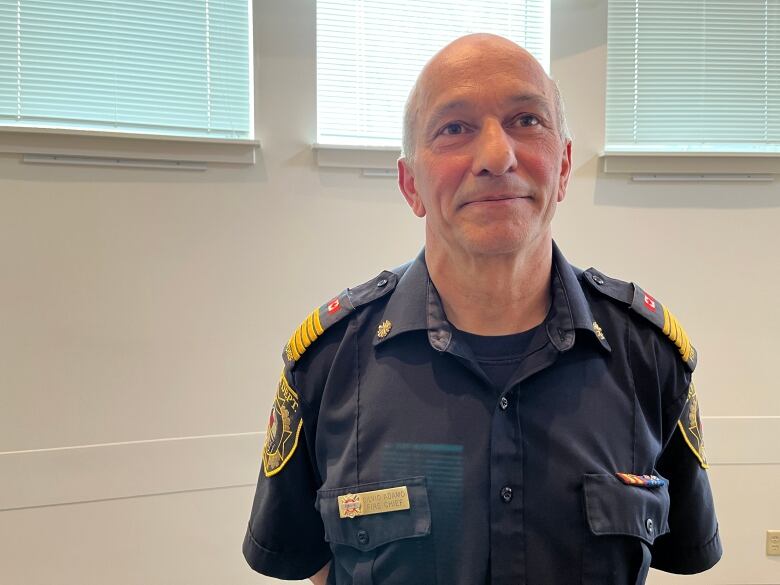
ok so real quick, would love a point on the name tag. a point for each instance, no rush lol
(376, 502)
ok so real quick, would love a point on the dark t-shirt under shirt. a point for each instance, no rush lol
(500, 355)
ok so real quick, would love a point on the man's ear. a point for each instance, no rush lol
(406, 184)
(563, 180)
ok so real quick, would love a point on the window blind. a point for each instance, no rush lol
(369, 53)
(172, 67)
(698, 76)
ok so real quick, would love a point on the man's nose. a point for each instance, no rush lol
(495, 154)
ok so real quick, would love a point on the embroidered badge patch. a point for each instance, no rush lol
(284, 426)
(691, 427)
(648, 481)
(375, 502)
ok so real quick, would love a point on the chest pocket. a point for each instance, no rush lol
(390, 547)
(623, 521)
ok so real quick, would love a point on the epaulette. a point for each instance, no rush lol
(336, 309)
(647, 306)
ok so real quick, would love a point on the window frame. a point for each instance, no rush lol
(130, 149)
(728, 165)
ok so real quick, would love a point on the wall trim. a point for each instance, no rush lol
(88, 473)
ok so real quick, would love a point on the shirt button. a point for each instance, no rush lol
(597, 279)
(382, 282)
(504, 403)
(649, 525)
(362, 537)
(506, 494)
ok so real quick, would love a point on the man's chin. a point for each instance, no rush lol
(502, 239)
(496, 244)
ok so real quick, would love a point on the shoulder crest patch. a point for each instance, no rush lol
(284, 428)
(691, 428)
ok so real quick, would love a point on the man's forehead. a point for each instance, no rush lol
(463, 68)
(447, 103)
(454, 94)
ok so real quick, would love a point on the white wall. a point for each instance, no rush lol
(142, 314)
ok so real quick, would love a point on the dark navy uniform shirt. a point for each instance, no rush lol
(506, 486)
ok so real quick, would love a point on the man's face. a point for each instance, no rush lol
(489, 165)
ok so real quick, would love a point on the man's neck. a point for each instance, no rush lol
(493, 295)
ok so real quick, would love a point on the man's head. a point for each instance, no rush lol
(411, 112)
(486, 149)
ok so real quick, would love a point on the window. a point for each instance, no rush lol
(698, 76)
(369, 53)
(163, 67)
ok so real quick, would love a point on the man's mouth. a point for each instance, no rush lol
(496, 199)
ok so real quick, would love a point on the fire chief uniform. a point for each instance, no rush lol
(392, 453)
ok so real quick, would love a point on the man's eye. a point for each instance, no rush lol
(454, 128)
(527, 120)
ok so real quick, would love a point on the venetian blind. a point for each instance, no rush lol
(174, 67)
(369, 53)
(698, 76)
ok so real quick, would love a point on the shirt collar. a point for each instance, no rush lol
(415, 305)
(570, 310)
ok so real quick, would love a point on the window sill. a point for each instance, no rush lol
(381, 159)
(720, 166)
(691, 163)
(116, 149)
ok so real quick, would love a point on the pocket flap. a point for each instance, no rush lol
(366, 532)
(613, 507)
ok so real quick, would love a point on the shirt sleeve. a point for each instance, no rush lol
(285, 536)
(692, 544)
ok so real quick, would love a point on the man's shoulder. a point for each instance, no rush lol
(330, 317)
(644, 308)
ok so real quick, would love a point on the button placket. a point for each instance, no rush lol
(507, 516)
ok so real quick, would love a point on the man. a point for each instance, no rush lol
(486, 413)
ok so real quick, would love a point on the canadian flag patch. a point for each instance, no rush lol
(334, 306)
(650, 302)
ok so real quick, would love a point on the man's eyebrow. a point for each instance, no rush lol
(535, 99)
(441, 112)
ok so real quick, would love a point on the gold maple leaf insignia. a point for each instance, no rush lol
(383, 329)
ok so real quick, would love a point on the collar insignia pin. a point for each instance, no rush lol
(383, 329)
(597, 330)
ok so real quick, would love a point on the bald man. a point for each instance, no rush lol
(487, 413)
